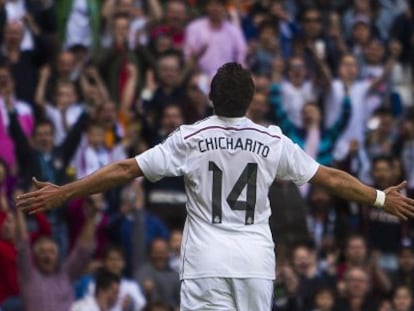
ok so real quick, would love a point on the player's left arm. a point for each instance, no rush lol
(348, 187)
(48, 195)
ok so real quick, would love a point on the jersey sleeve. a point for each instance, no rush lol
(166, 159)
(295, 164)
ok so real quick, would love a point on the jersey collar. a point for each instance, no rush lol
(230, 120)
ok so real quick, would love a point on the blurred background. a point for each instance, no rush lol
(87, 82)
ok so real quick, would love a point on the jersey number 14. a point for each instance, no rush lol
(247, 179)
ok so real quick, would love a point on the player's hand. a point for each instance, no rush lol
(397, 204)
(46, 197)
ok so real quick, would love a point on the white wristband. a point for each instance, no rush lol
(380, 199)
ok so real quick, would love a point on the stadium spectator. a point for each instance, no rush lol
(213, 40)
(388, 230)
(139, 228)
(402, 299)
(117, 62)
(357, 292)
(104, 296)
(45, 283)
(175, 18)
(130, 296)
(156, 277)
(259, 109)
(9, 287)
(24, 64)
(75, 218)
(64, 111)
(23, 116)
(142, 67)
(79, 22)
(305, 265)
(404, 275)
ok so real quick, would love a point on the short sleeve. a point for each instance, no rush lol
(295, 164)
(166, 159)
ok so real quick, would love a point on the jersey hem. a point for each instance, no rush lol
(226, 276)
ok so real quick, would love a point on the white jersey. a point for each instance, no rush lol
(228, 165)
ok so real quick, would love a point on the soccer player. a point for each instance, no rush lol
(229, 163)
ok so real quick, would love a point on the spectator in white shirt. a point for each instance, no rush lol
(106, 293)
(130, 296)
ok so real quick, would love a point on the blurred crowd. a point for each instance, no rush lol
(87, 82)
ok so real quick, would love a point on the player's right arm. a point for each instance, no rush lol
(48, 195)
(348, 187)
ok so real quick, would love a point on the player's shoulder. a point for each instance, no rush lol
(187, 130)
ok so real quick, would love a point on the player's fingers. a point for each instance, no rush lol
(401, 186)
(38, 184)
(397, 211)
(37, 210)
(409, 201)
(408, 212)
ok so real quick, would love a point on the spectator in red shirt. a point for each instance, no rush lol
(9, 287)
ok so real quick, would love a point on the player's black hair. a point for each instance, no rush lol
(105, 279)
(231, 90)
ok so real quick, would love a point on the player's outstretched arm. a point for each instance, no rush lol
(348, 187)
(48, 195)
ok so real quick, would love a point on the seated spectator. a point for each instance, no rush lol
(156, 277)
(104, 296)
(402, 299)
(130, 296)
(214, 39)
(357, 292)
(38, 277)
(23, 116)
